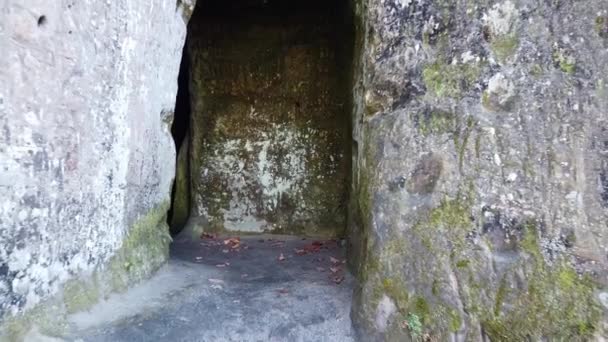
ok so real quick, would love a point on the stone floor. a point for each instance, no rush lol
(257, 288)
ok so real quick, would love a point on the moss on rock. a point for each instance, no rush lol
(144, 250)
(504, 47)
(79, 295)
(450, 80)
(180, 209)
(601, 26)
(564, 61)
(435, 121)
(556, 302)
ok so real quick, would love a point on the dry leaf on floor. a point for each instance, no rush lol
(334, 260)
(299, 251)
(338, 279)
(334, 269)
(207, 236)
(215, 281)
(233, 242)
(281, 257)
(217, 287)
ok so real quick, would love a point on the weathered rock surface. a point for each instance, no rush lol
(269, 117)
(479, 195)
(480, 174)
(87, 90)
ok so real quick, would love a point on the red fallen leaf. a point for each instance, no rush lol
(311, 248)
(233, 242)
(281, 257)
(334, 260)
(334, 269)
(338, 279)
(207, 236)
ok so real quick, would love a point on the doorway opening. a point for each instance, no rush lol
(266, 87)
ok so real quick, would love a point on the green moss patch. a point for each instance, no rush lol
(79, 295)
(504, 47)
(144, 250)
(557, 303)
(450, 80)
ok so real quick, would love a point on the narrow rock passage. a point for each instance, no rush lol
(256, 288)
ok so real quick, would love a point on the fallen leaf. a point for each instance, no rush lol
(207, 236)
(199, 258)
(222, 265)
(338, 279)
(320, 269)
(334, 260)
(233, 242)
(299, 251)
(281, 257)
(283, 291)
(215, 281)
(334, 269)
(311, 248)
(217, 287)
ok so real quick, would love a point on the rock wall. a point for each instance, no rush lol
(269, 122)
(87, 90)
(480, 182)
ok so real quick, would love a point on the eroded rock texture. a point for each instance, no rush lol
(269, 117)
(87, 90)
(480, 174)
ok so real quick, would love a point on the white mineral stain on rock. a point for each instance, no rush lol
(385, 309)
(501, 17)
(273, 177)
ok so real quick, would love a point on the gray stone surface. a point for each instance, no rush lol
(256, 297)
(480, 174)
(269, 117)
(479, 200)
(87, 90)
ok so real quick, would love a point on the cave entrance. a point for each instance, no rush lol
(262, 121)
